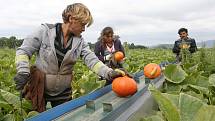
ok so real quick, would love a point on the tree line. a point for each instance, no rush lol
(125, 44)
(13, 42)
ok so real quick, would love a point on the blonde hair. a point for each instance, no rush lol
(79, 12)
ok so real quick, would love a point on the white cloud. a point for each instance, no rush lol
(145, 22)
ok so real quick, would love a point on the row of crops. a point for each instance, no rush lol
(188, 93)
(179, 79)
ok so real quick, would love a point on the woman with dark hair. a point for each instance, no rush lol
(105, 48)
(107, 45)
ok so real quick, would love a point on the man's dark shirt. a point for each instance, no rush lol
(176, 49)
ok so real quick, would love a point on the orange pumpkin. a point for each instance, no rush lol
(124, 86)
(118, 56)
(152, 70)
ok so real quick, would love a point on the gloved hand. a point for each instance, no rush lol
(115, 73)
(21, 79)
(116, 64)
(108, 57)
(126, 73)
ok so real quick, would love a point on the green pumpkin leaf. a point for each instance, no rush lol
(189, 106)
(20, 114)
(171, 87)
(212, 89)
(10, 98)
(153, 118)
(5, 105)
(27, 105)
(173, 98)
(191, 78)
(202, 81)
(9, 117)
(212, 79)
(166, 106)
(206, 113)
(174, 73)
(199, 96)
(32, 113)
(198, 89)
(190, 69)
(88, 83)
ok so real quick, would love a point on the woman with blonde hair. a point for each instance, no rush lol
(57, 47)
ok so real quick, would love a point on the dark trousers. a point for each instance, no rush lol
(63, 97)
(108, 82)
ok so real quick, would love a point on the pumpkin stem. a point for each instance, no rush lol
(120, 71)
(153, 71)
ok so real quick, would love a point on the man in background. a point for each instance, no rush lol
(184, 42)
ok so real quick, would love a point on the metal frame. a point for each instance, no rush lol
(57, 111)
(117, 113)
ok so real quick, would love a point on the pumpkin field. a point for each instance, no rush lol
(188, 93)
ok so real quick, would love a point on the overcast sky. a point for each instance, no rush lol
(145, 22)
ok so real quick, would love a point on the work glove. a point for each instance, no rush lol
(116, 64)
(21, 79)
(115, 73)
(119, 73)
(108, 57)
(126, 72)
